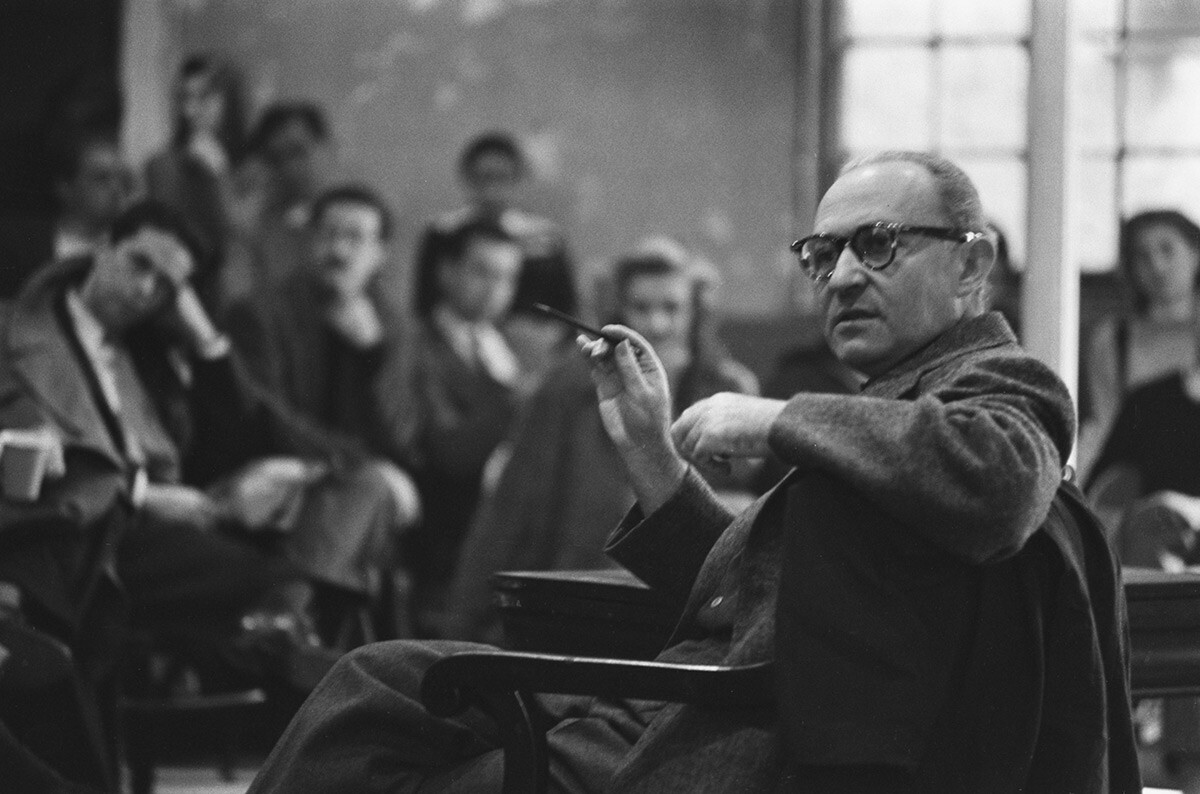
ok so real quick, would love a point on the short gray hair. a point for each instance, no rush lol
(960, 198)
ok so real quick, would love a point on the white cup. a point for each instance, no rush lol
(24, 457)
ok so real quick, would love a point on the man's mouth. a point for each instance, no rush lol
(852, 315)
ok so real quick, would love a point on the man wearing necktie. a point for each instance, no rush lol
(467, 381)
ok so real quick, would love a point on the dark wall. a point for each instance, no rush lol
(58, 67)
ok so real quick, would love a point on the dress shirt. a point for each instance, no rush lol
(480, 345)
(146, 442)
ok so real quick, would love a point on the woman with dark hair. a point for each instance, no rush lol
(193, 174)
(560, 487)
(1160, 269)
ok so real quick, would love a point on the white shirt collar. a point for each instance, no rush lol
(478, 344)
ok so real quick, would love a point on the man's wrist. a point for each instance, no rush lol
(655, 477)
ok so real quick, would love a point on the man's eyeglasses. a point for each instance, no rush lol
(873, 243)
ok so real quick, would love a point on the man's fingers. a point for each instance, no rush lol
(627, 365)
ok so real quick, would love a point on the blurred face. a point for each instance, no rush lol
(1164, 264)
(348, 247)
(201, 104)
(659, 308)
(480, 287)
(136, 278)
(100, 189)
(297, 159)
(491, 180)
(875, 318)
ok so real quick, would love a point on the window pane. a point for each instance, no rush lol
(1164, 82)
(966, 17)
(1093, 82)
(1094, 228)
(1098, 16)
(885, 98)
(983, 97)
(1162, 182)
(1001, 183)
(1179, 15)
(889, 17)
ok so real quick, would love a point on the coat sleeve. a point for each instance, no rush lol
(971, 464)
(667, 548)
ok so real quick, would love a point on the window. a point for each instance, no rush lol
(953, 76)
(944, 75)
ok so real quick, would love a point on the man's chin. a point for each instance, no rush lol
(855, 352)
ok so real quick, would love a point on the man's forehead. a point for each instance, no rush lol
(893, 192)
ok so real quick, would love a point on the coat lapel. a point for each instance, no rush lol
(44, 359)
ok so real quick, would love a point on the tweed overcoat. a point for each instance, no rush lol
(960, 448)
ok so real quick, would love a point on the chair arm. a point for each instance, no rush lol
(501, 683)
(448, 684)
(1165, 664)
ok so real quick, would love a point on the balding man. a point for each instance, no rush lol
(948, 460)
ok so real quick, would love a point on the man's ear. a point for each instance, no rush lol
(979, 254)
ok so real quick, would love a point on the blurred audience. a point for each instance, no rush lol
(562, 487)
(492, 168)
(194, 173)
(92, 184)
(1159, 262)
(467, 382)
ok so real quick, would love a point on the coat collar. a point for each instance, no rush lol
(965, 336)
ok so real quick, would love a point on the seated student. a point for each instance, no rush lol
(563, 488)
(1159, 266)
(329, 340)
(1147, 486)
(331, 343)
(116, 354)
(952, 456)
(492, 167)
(466, 383)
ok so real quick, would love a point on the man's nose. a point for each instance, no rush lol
(848, 271)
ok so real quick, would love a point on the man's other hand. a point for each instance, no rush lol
(726, 426)
(635, 406)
